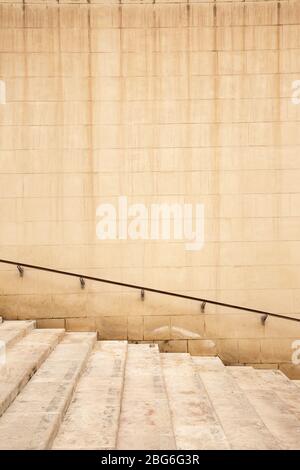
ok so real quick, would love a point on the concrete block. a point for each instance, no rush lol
(157, 328)
(173, 346)
(112, 327)
(135, 328)
(199, 347)
(50, 323)
(80, 324)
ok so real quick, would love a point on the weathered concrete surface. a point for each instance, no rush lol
(32, 421)
(276, 400)
(12, 331)
(241, 422)
(23, 360)
(92, 421)
(67, 391)
(195, 423)
(145, 420)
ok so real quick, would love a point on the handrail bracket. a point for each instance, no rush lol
(21, 270)
(263, 319)
(82, 283)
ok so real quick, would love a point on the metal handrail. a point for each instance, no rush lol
(143, 289)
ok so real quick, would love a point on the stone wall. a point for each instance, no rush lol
(160, 102)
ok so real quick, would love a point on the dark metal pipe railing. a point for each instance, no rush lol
(143, 289)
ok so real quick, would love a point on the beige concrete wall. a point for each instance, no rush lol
(169, 102)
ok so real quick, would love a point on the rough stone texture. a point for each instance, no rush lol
(22, 360)
(42, 404)
(12, 331)
(76, 393)
(242, 425)
(194, 420)
(276, 400)
(162, 102)
(145, 420)
(92, 421)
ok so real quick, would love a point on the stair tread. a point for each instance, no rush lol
(16, 324)
(71, 392)
(208, 363)
(22, 360)
(12, 331)
(242, 425)
(276, 399)
(92, 419)
(43, 402)
(194, 421)
(145, 404)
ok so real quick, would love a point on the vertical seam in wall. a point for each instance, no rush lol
(26, 75)
(277, 126)
(121, 146)
(216, 151)
(90, 135)
(61, 113)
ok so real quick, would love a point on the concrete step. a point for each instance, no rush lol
(286, 389)
(276, 399)
(92, 420)
(297, 382)
(145, 420)
(40, 407)
(70, 392)
(13, 331)
(242, 425)
(23, 360)
(208, 363)
(194, 421)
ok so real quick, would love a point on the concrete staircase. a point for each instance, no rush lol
(62, 390)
